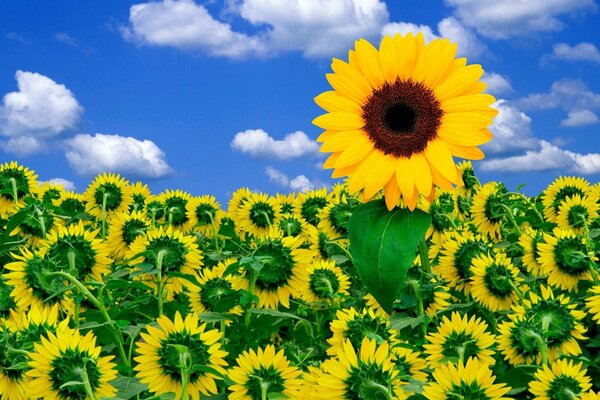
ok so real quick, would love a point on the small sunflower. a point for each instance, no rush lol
(159, 363)
(519, 340)
(124, 229)
(325, 282)
(364, 372)
(204, 214)
(529, 241)
(283, 274)
(354, 325)
(76, 247)
(177, 252)
(495, 282)
(334, 218)
(217, 292)
(107, 194)
(457, 253)
(258, 215)
(470, 183)
(30, 287)
(310, 204)
(140, 193)
(558, 191)
(39, 219)
(13, 381)
(565, 258)
(593, 302)
(488, 209)
(49, 192)
(67, 357)
(323, 246)
(403, 111)
(155, 210)
(16, 182)
(562, 380)
(71, 205)
(237, 200)
(264, 371)
(293, 225)
(460, 338)
(174, 203)
(409, 364)
(470, 380)
(576, 213)
(443, 215)
(286, 202)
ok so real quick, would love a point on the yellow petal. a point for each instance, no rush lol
(323, 137)
(331, 160)
(388, 59)
(434, 61)
(339, 121)
(406, 47)
(359, 179)
(346, 171)
(422, 173)
(354, 154)
(405, 176)
(439, 180)
(411, 202)
(468, 103)
(332, 101)
(347, 88)
(344, 69)
(345, 139)
(457, 82)
(383, 169)
(464, 135)
(468, 153)
(392, 194)
(368, 61)
(439, 156)
(468, 118)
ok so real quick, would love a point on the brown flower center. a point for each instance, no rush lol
(402, 117)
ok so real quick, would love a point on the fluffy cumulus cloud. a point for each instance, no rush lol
(89, 155)
(259, 144)
(65, 183)
(547, 157)
(313, 27)
(468, 43)
(299, 183)
(40, 109)
(22, 145)
(503, 19)
(583, 51)
(572, 96)
(511, 129)
(497, 84)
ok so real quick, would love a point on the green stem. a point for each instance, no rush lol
(21, 352)
(424, 255)
(86, 383)
(542, 346)
(386, 391)
(88, 295)
(15, 192)
(416, 287)
(104, 199)
(184, 368)
(264, 386)
(511, 217)
(345, 251)
(264, 214)
(42, 221)
(252, 285)
(214, 231)
(159, 285)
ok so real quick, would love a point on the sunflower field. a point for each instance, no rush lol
(410, 280)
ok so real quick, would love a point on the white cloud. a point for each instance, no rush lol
(451, 28)
(580, 118)
(66, 184)
(22, 145)
(41, 108)
(548, 157)
(503, 19)
(89, 155)
(314, 27)
(257, 143)
(69, 40)
(583, 51)
(299, 183)
(496, 84)
(511, 129)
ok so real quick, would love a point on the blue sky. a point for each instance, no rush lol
(209, 96)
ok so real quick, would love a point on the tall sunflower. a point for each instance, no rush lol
(107, 193)
(562, 380)
(470, 380)
(16, 182)
(325, 283)
(124, 229)
(68, 357)
(175, 342)
(310, 204)
(576, 213)
(561, 189)
(495, 282)
(398, 115)
(140, 192)
(204, 214)
(217, 292)
(71, 205)
(258, 215)
(174, 204)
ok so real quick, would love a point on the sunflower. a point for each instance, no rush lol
(469, 182)
(325, 282)
(204, 214)
(155, 210)
(442, 214)
(140, 192)
(590, 396)
(322, 246)
(7, 302)
(13, 382)
(310, 204)
(559, 190)
(178, 253)
(159, 363)
(30, 287)
(39, 219)
(217, 292)
(403, 111)
(519, 340)
(285, 202)
(76, 247)
(293, 225)
(354, 325)
(107, 194)
(457, 253)
(263, 371)
(565, 258)
(409, 363)
(283, 274)
(174, 203)
(460, 338)
(470, 380)
(237, 200)
(364, 372)
(529, 241)
(557, 317)
(258, 215)
(71, 205)
(576, 213)
(49, 191)
(562, 380)
(593, 302)
(334, 218)
(495, 281)
(16, 182)
(124, 229)
(488, 209)
(463, 204)
(68, 357)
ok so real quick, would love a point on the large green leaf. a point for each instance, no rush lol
(383, 245)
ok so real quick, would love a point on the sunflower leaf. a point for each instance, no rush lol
(383, 245)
